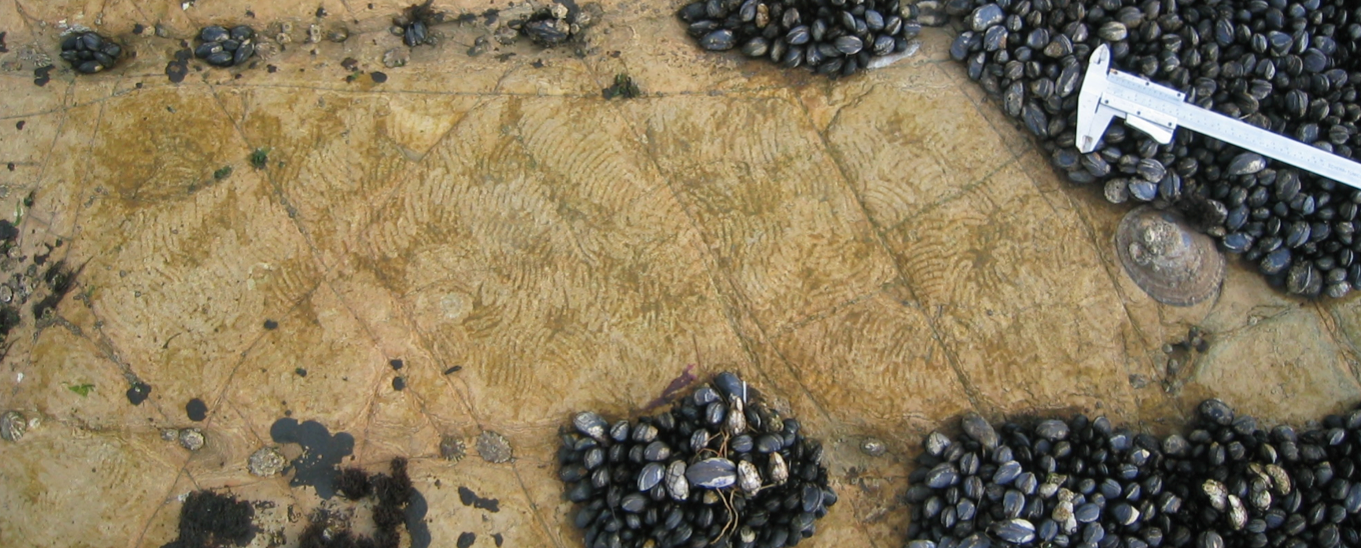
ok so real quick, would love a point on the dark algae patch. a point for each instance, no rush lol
(393, 492)
(9, 315)
(271, 325)
(8, 232)
(466, 539)
(59, 280)
(211, 520)
(623, 87)
(469, 498)
(322, 453)
(378, 76)
(9, 319)
(196, 409)
(353, 483)
(396, 504)
(677, 384)
(259, 158)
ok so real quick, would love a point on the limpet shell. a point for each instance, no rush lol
(493, 447)
(452, 448)
(12, 426)
(1168, 259)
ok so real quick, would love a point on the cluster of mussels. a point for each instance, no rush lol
(414, 24)
(88, 52)
(719, 468)
(553, 24)
(225, 48)
(1086, 483)
(832, 37)
(1289, 66)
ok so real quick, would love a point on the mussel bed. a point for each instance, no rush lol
(1085, 482)
(718, 468)
(832, 37)
(1289, 66)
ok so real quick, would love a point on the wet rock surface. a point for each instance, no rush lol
(322, 452)
(841, 243)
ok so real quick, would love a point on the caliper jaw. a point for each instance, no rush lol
(1092, 118)
(1101, 99)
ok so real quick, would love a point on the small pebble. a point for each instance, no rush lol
(873, 447)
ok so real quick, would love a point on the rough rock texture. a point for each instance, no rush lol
(879, 254)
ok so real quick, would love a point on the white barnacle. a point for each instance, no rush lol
(737, 415)
(748, 479)
(1217, 492)
(779, 470)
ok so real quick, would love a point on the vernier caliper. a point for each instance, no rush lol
(1158, 110)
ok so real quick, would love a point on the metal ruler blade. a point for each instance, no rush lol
(1159, 110)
